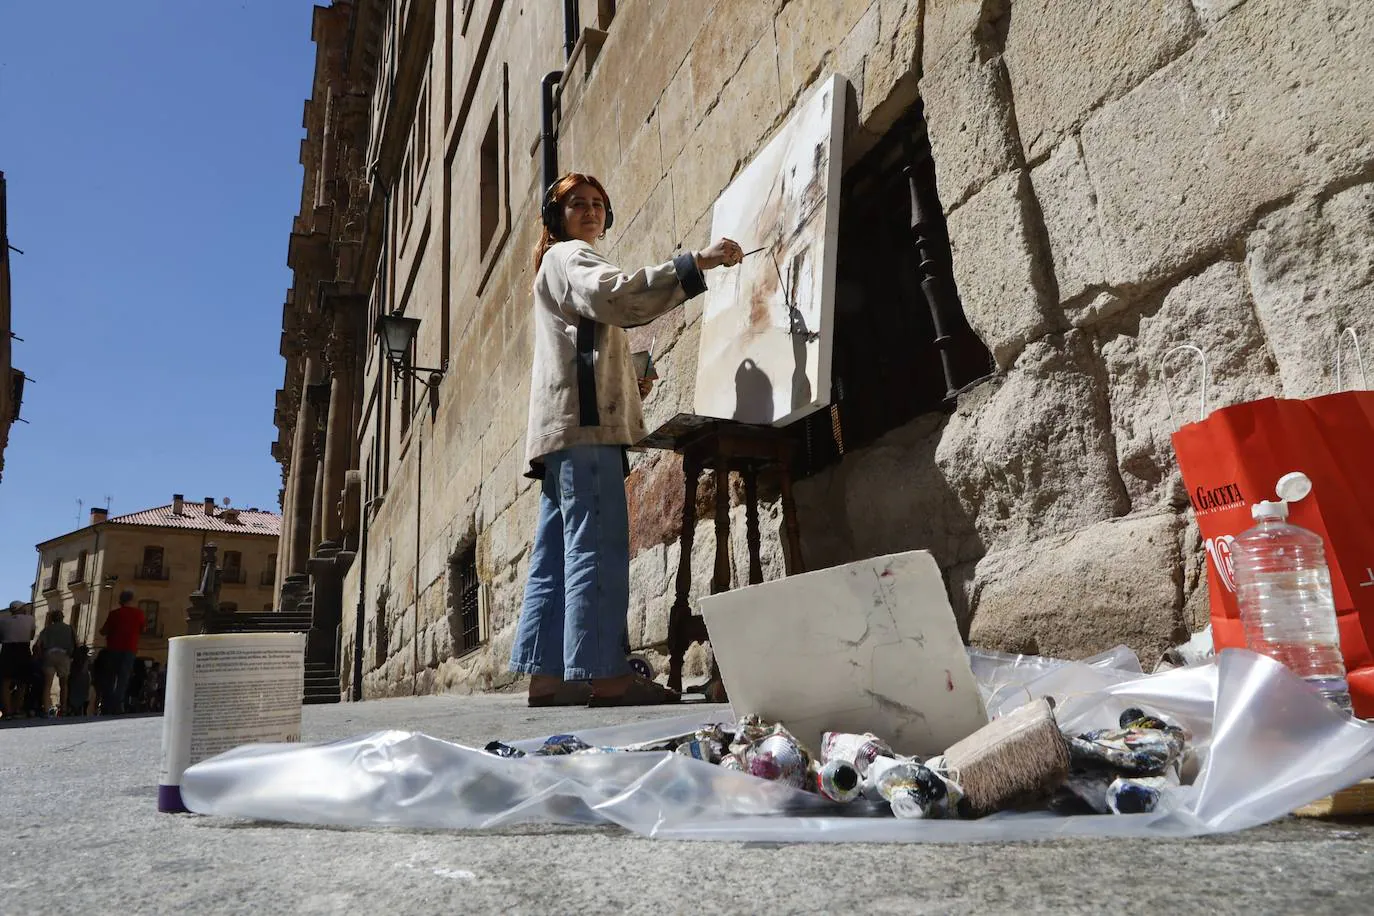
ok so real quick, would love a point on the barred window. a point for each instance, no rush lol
(902, 344)
(465, 592)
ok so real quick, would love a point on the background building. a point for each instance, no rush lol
(156, 555)
(11, 379)
(1108, 181)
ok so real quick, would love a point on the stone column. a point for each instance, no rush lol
(303, 468)
(317, 503)
(338, 444)
(284, 540)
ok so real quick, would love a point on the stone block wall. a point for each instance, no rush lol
(1121, 179)
(1118, 178)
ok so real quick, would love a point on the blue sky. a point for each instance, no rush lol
(150, 149)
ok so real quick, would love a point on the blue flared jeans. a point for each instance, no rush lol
(572, 622)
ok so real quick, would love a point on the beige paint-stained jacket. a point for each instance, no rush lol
(583, 389)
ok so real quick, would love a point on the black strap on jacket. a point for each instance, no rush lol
(588, 413)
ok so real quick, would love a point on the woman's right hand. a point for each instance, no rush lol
(725, 252)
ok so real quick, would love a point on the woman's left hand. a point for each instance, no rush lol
(645, 386)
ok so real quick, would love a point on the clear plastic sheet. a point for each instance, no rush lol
(1270, 743)
(1004, 679)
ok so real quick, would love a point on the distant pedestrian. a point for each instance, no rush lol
(121, 631)
(133, 697)
(16, 658)
(78, 702)
(56, 644)
(102, 680)
(153, 686)
(33, 685)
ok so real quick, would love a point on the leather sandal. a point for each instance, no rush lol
(569, 693)
(641, 692)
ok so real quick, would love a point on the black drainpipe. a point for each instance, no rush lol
(548, 140)
(572, 27)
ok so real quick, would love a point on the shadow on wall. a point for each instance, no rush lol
(753, 391)
(891, 497)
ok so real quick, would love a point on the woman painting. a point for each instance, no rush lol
(584, 410)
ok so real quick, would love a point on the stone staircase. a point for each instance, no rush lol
(321, 683)
(321, 680)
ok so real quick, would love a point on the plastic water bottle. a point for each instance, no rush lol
(1283, 587)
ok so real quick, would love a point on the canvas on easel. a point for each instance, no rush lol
(767, 323)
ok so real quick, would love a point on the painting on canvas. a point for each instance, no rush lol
(869, 646)
(766, 323)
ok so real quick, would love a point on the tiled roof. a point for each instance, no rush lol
(193, 517)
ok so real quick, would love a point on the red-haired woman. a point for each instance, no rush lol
(584, 410)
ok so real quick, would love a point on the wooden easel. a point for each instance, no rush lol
(723, 446)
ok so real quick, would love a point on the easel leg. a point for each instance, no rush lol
(789, 523)
(720, 581)
(751, 522)
(681, 613)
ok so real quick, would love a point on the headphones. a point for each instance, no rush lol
(552, 214)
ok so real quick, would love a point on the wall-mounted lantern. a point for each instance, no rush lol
(397, 333)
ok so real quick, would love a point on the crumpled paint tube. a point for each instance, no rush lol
(503, 750)
(707, 749)
(558, 745)
(1134, 751)
(733, 762)
(953, 790)
(839, 780)
(779, 758)
(750, 730)
(859, 751)
(913, 790)
(1135, 796)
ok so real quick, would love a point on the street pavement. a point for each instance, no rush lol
(81, 834)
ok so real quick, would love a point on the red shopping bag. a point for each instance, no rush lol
(1232, 459)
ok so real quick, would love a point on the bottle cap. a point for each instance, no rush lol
(1293, 486)
(1267, 509)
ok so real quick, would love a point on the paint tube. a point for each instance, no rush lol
(707, 749)
(779, 758)
(839, 781)
(748, 731)
(911, 789)
(858, 751)
(1133, 751)
(953, 790)
(733, 762)
(558, 745)
(1135, 796)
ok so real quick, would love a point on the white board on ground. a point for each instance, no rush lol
(872, 646)
(767, 322)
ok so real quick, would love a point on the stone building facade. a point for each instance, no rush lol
(1109, 180)
(11, 379)
(156, 553)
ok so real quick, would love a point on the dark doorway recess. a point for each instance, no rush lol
(894, 287)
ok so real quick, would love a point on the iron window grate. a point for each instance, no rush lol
(469, 589)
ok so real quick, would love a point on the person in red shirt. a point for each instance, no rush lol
(121, 631)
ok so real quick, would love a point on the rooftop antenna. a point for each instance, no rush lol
(226, 501)
(108, 499)
(79, 506)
